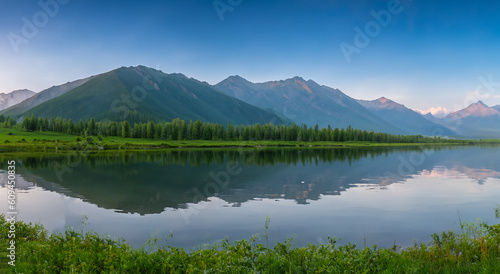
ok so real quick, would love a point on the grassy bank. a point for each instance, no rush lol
(474, 249)
(18, 140)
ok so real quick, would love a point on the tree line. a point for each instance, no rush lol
(179, 129)
(7, 122)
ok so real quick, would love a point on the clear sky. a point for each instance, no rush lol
(427, 54)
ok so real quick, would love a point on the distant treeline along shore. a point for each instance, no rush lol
(179, 129)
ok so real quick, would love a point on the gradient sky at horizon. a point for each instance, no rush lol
(431, 54)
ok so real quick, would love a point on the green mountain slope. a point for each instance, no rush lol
(141, 93)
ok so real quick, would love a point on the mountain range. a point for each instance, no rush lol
(141, 93)
(306, 102)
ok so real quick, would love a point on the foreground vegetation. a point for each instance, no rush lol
(475, 249)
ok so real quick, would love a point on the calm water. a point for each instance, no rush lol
(377, 195)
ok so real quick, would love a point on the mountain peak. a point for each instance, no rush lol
(383, 100)
(478, 109)
(299, 78)
(381, 103)
(302, 83)
(235, 78)
(480, 103)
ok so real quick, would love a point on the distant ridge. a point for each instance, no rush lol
(475, 121)
(306, 102)
(41, 97)
(14, 97)
(402, 117)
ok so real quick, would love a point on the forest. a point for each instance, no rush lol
(179, 129)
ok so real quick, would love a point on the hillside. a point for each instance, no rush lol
(141, 93)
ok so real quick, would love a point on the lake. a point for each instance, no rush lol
(373, 195)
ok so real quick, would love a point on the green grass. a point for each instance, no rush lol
(473, 249)
(17, 140)
(491, 140)
(4, 266)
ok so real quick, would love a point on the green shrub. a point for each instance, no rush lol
(90, 141)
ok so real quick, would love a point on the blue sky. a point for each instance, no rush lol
(429, 54)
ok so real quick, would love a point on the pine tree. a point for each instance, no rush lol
(229, 132)
(125, 128)
(150, 130)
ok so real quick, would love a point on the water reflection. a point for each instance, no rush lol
(382, 195)
(150, 182)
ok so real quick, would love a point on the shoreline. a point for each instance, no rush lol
(17, 140)
(65, 147)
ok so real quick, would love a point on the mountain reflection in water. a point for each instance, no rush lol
(150, 182)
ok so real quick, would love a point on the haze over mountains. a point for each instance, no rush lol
(140, 94)
(14, 97)
(37, 98)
